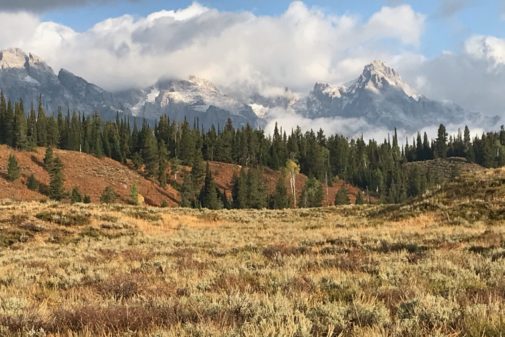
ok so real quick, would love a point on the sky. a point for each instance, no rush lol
(446, 49)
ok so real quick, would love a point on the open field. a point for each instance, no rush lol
(411, 270)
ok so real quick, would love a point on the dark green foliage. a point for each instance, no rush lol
(48, 158)
(13, 170)
(56, 190)
(108, 196)
(239, 190)
(187, 192)
(280, 198)
(360, 200)
(75, 195)
(370, 165)
(164, 204)
(441, 142)
(32, 183)
(342, 197)
(162, 163)
(86, 199)
(209, 194)
(312, 194)
(134, 195)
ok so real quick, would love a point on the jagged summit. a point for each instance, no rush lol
(377, 76)
(379, 97)
(16, 58)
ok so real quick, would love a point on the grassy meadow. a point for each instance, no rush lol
(99, 270)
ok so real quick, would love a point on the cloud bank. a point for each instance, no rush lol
(297, 48)
(265, 54)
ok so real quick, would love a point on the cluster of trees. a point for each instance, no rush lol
(156, 149)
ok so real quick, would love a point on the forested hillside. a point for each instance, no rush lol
(159, 151)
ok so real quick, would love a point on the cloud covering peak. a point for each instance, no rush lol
(297, 48)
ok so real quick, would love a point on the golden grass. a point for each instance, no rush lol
(347, 271)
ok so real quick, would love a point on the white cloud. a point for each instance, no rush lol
(297, 48)
(473, 78)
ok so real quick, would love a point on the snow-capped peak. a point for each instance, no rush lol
(15, 58)
(378, 75)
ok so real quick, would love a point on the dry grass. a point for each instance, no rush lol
(349, 271)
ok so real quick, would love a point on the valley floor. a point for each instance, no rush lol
(91, 270)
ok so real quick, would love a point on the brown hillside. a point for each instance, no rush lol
(90, 174)
(223, 175)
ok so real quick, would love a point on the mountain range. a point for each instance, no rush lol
(378, 96)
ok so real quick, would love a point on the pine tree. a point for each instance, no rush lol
(32, 129)
(441, 142)
(198, 171)
(187, 192)
(342, 197)
(360, 200)
(312, 194)
(150, 155)
(209, 196)
(239, 190)
(108, 196)
(20, 138)
(134, 195)
(256, 192)
(162, 163)
(32, 183)
(13, 170)
(56, 188)
(76, 195)
(48, 158)
(280, 197)
(41, 125)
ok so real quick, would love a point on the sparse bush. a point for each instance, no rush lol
(108, 196)
(32, 183)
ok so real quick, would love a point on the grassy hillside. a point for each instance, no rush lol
(410, 270)
(91, 175)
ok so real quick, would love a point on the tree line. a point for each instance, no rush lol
(159, 149)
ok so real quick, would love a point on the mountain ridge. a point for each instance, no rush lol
(378, 96)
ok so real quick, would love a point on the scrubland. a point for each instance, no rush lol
(432, 267)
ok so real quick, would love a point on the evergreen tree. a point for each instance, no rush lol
(312, 194)
(32, 183)
(108, 196)
(76, 195)
(162, 163)
(441, 142)
(134, 195)
(56, 190)
(48, 158)
(256, 192)
(150, 155)
(360, 200)
(280, 197)
(209, 195)
(187, 192)
(342, 197)
(239, 190)
(20, 138)
(198, 171)
(32, 129)
(13, 170)
(41, 125)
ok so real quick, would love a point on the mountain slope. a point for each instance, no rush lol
(381, 98)
(27, 77)
(192, 99)
(90, 174)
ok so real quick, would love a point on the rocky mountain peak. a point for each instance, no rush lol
(377, 75)
(15, 58)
